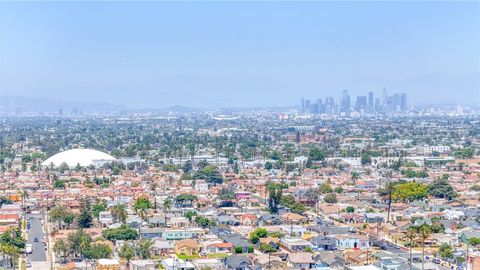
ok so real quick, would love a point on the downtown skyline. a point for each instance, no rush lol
(220, 54)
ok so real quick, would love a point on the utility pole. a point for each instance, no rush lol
(368, 245)
(466, 261)
(269, 265)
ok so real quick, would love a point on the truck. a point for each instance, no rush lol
(28, 248)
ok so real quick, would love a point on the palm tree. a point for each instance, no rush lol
(314, 195)
(424, 231)
(167, 205)
(354, 176)
(142, 212)
(119, 213)
(10, 251)
(25, 196)
(389, 188)
(411, 233)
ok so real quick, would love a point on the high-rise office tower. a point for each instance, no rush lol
(378, 106)
(396, 102)
(345, 101)
(384, 97)
(307, 105)
(329, 105)
(302, 105)
(361, 103)
(370, 101)
(403, 102)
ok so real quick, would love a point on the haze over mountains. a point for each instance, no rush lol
(243, 54)
(198, 92)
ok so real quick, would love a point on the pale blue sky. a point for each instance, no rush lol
(276, 51)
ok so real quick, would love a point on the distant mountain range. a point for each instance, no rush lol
(222, 92)
(19, 105)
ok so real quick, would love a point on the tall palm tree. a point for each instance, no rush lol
(389, 188)
(167, 205)
(119, 213)
(411, 233)
(314, 195)
(25, 196)
(424, 232)
(10, 251)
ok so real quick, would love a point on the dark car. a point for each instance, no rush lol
(35, 239)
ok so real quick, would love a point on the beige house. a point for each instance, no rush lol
(187, 247)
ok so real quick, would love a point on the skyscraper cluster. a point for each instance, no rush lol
(362, 104)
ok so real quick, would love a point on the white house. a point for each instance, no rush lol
(142, 265)
(105, 218)
(300, 260)
(453, 214)
(352, 241)
(175, 264)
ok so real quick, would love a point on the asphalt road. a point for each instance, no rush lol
(39, 254)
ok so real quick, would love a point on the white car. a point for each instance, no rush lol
(28, 263)
(28, 248)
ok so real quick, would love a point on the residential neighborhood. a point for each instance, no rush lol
(252, 192)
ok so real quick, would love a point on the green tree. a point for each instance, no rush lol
(274, 196)
(69, 218)
(13, 236)
(325, 188)
(119, 213)
(190, 214)
(143, 247)
(85, 219)
(204, 222)
(445, 251)
(474, 241)
(10, 253)
(63, 167)
(123, 233)
(268, 165)
(410, 191)
(366, 159)
(127, 252)
(57, 214)
(187, 167)
(316, 154)
(257, 234)
(98, 251)
(330, 198)
(440, 188)
(142, 205)
(210, 173)
(59, 184)
(350, 209)
(266, 248)
(61, 248)
(98, 207)
(78, 242)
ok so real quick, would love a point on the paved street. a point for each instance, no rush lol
(39, 256)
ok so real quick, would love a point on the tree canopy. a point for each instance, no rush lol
(440, 188)
(410, 191)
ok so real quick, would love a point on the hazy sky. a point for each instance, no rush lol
(251, 53)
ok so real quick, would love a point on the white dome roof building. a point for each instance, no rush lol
(84, 157)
